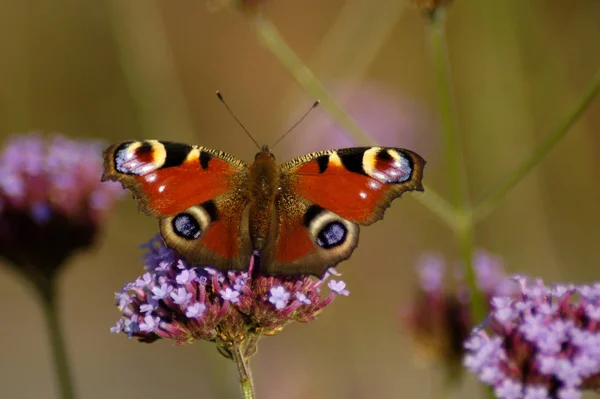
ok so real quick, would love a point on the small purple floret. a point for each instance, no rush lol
(196, 310)
(230, 295)
(339, 287)
(279, 297)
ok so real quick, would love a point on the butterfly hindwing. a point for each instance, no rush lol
(199, 196)
(308, 239)
(325, 195)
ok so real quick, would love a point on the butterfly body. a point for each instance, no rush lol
(302, 216)
(263, 188)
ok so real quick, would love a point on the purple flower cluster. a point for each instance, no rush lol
(178, 301)
(439, 318)
(42, 176)
(51, 199)
(545, 344)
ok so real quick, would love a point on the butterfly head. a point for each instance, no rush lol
(264, 154)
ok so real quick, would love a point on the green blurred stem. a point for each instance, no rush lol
(538, 155)
(273, 40)
(49, 303)
(243, 365)
(454, 158)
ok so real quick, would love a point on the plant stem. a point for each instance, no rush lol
(454, 158)
(538, 155)
(57, 343)
(150, 73)
(273, 40)
(243, 365)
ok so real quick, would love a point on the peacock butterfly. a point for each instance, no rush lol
(302, 216)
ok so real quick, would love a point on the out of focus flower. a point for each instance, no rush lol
(545, 344)
(175, 300)
(439, 318)
(52, 202)
(391, 118)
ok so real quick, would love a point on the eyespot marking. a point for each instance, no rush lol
(211, 209)
(332, 235)
(311, 213)
(139, 158)
(400, 167)
(186, 226)
(387, 165)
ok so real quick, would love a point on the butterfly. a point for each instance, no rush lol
(302, 216)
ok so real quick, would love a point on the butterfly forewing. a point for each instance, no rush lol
(198, 195)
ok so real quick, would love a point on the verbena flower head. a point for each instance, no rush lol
(182, 302)
(51, 200)
(439, 318)
(545, 344)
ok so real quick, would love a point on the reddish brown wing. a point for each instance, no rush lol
(198, 195)
(357, 184)
(325, 195)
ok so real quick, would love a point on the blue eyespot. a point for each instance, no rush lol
(186, 226)
(332, 235)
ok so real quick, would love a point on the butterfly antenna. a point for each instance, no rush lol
(297, 123)
(220, 97)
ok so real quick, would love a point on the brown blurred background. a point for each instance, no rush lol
(121, 69)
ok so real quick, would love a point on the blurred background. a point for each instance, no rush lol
(135, 69)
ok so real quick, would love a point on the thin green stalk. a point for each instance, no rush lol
(150, 73)
(539, 154)
(243, 366)
(454, 158)
(273, 40)
(57, 343)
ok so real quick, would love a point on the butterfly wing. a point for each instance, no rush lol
(325, 195)
(199, 196)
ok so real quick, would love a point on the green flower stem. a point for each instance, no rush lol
(243, 365)
(150, 74)
(273, 40)
(57, 343)
(538, 155)
(454, 159)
